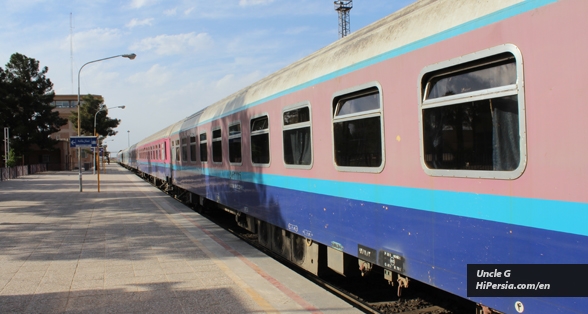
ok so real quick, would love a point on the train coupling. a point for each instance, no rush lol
(364, 267)
(402, 283)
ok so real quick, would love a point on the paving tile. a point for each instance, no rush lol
(178, 270)
(15, 304)
(128, 267)
(4, 281)
(23, 274)
(66, 275)
(217, 281)
(149, 272)
(86, 292)
(47, 305)
(114, 263)
(119, 281)
(89, 270)
(81, 276)
(188, 284)
(86, 304)
(146, 265)
(164, 305)
(20, 287)
(182, 276)
(108, 275)
(153, 286)
(51, 295)
(9, 268)
(201, 301)
(201, 267)
(123, 302)
(154, 279)
(52, 287)
(87, 284)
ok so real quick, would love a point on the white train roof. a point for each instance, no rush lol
(407, 26)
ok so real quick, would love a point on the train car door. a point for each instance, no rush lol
(174, 159)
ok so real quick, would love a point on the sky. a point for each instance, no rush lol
(190, 54)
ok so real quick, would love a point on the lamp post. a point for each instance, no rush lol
(104, 154)
(102, 108)
(130, 57)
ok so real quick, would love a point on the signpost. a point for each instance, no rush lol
(79, 142)
(82, 141)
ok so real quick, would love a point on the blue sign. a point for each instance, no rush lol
(82, 141)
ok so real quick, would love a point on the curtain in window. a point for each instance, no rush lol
(300, 144)
(505, 138)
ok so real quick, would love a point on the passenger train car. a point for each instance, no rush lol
(452, 132)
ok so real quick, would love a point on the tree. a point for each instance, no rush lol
(26, 98)
(104, 125)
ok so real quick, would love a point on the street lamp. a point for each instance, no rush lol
(105, 153)
(102, 108)
(130, 57)
(129, 138)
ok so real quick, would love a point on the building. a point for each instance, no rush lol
(62, 157)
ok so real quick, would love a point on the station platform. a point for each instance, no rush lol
(132, 249)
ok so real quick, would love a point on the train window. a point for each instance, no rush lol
(217, 147)
(235, 143)
(163, 151)
(192, 148)
(357, 129)
(203, 148)
(297, 136)
(185, 149)
(260, 153)
(472, 116)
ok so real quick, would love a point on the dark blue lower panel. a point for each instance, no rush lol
(436, 247)
(158, 170)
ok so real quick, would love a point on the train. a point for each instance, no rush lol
(447, 134)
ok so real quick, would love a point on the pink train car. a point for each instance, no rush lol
(444, 137)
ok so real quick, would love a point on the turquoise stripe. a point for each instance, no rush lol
(497, 16)
(561, 216)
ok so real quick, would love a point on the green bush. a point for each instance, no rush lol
(11, 158)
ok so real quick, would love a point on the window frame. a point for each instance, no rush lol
(260, 132)
(230, 137)
(193, 144)
(357, 91)
(184, 144)
(214, 140)
(205, 143)
(295, 126)
(469, 62)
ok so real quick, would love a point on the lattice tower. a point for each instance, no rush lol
(343, 8)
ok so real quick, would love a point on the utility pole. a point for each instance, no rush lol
(343, 8)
